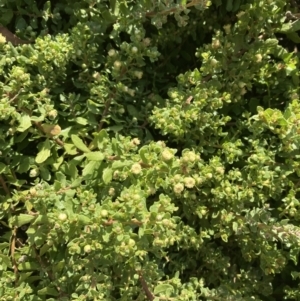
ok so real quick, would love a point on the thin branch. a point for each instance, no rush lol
(4, 186)
(148, 293)
(10, 37)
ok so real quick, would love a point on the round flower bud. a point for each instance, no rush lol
(213, 62)
(52, 114)
(135, 141)
(166, 222)
(191, 156)
(117, 64)
(173, 94)
(203, 212)
(136, 168)
(87, 248)
(134, 49)
(258, 58)
(121, 110)
(34, 173)
(167, 155)
(189, 182)
(146, 42)
(11, 131)
(111, 52)
(178, 188)
(220, 170)
(62, 216)
(241, 84)
(131, 92)
(32, 191)
(159, 217)
(215, 44)
(209, 175)
(104, 213)
(111, 191)
(241, 13)
(138, 74)
(131, 242)
(227, 28)
(96, 75)
(228, 189)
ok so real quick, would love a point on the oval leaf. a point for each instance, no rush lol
(23, 219)
(25, 123)
(163, 288)
(95, 156)
(80, 144)
(107, 175)
(44, 153)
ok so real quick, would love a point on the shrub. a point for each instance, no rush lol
(149, 150)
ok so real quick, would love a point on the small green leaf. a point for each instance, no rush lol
(4, 245)
(290, 27)
(236, 5)
(70, 149)
(48, 291)
(92, 106)
(294, 37)
(76, 183)
(45, 173)
(84, 219)
(163, 288)
(24, 165)
(2, 168)
(142, 152)
(132, 111)
(25, 123)
(235, 227)
(114, 4)
(59, 266)
(44, 153)
(80, 144)
(100, 138)
(120, 164)
(107, 175)
(82, 121)
(28, 266)
(229, 5)
(95, 156)
(90, 167)
(22, 219)
(44, 249)
(6, 260)
(116, 128)
(6, 16)
(224, 237)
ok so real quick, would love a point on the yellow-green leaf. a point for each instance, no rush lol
(80, 144)
(25, 123)
(95, 156)
(107, 175)
(21, 219)
(44, 153)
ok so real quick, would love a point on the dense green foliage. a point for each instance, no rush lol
(150, 150)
